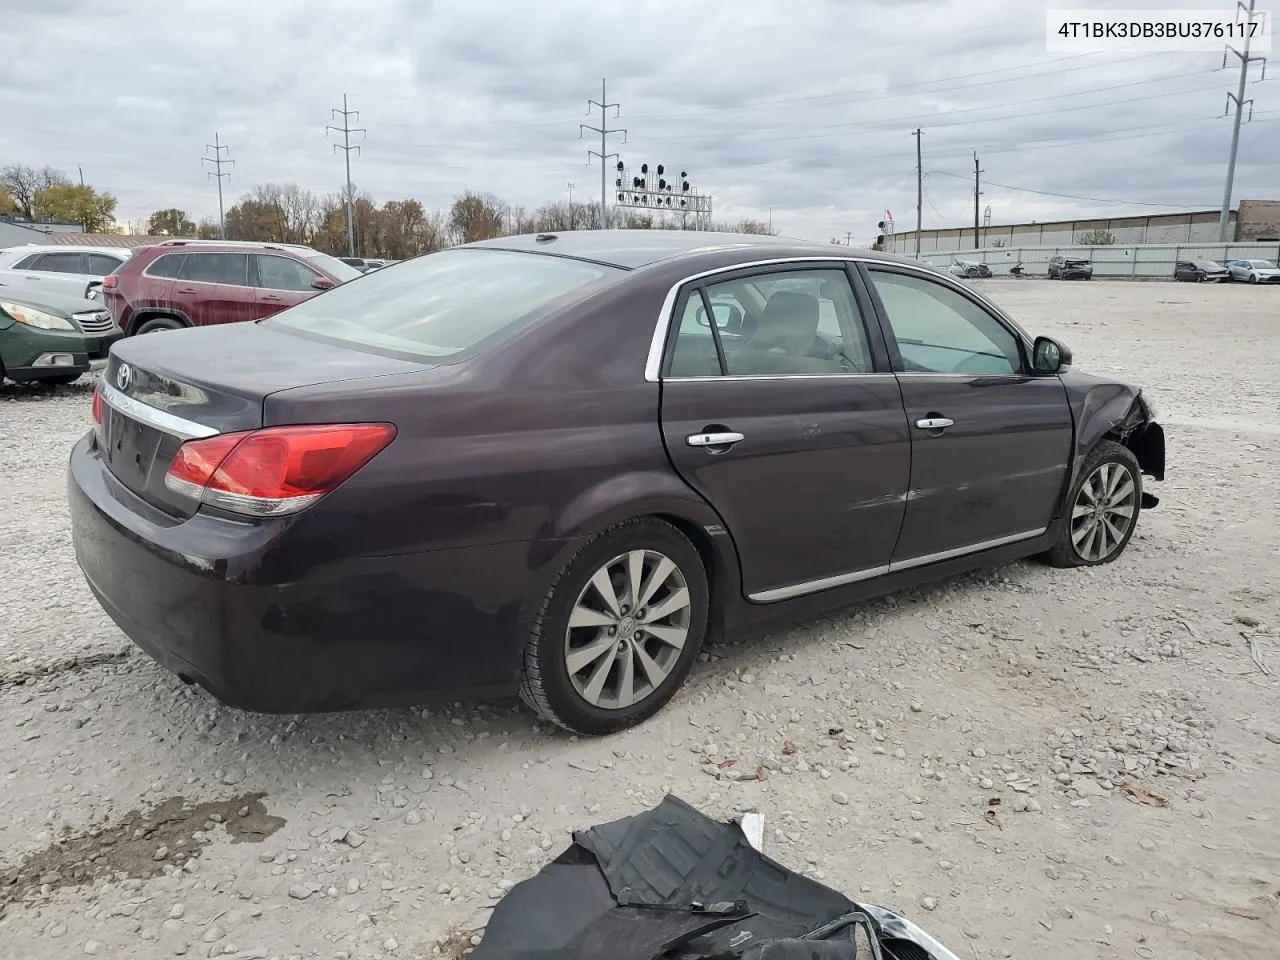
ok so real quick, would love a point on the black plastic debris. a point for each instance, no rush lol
(673, 883)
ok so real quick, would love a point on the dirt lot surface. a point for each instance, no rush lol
(1126, 718)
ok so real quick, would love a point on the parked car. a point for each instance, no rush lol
(969, 269)
(51, 339)
(1253, 271)
(66, 271)
(552, 465)
(1200, 271)
(191, 283)
(1070, 268)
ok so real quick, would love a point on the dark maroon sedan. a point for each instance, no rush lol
(555, 464)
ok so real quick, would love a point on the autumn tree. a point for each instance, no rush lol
(476, 216)
(71, 203)
(23, 183)
(171, 222)
(7, 207)
(255, 220)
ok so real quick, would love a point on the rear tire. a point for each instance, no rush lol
(159, 324)
(1102, 511)
(595, 663)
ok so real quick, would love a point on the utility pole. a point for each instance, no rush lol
(219, 161)
(345, 146)
(604, 130)
(977, 192)
(919, 190)
(848, 238)
(1224, 216)
(570, 185)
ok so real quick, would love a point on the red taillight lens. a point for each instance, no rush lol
(276, 470)
(110, 282)
(97, 405)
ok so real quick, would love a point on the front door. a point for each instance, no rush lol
(777, 409)
(281, 283)
(990, 442)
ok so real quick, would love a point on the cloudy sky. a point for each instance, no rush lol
(805, 107)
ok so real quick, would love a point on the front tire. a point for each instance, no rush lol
(619, 631)
(159, 324)
(1253, 278)
(1102, 511)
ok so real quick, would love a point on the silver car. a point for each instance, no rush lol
(1253, 271)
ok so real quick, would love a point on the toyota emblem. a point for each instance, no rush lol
(124, 376)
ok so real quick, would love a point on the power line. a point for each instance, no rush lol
(216, 173)
(604, 154)
(1067, 196)
(346, 147)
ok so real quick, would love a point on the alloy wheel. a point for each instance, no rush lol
(627, 629)
(1104, 512)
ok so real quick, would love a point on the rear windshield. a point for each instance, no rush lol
(332, 265)
(443, 304)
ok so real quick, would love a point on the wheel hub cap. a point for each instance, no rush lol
(627, 629)
(1104, 511)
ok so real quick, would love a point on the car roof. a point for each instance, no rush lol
(230, 246)
(634, 249)
(28, 248)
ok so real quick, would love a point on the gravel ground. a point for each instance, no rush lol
(1125, 718)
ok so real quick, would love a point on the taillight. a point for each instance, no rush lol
(97, 406)
(110, 282)
(276, 470)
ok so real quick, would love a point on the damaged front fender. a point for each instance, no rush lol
(1110, 410)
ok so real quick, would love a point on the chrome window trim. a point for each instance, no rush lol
(778, 376)
(154, 417)
(827, 583)
(658, 343)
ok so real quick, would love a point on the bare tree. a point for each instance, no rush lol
(23, 183)
(476, 216)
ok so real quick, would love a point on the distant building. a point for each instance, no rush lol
(15, 232)
(1255, 220)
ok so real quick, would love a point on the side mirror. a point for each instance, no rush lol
(323, 283)
(1049, 356)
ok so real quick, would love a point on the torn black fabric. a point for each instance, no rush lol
(670, 882)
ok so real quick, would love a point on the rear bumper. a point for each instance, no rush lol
(270, 617)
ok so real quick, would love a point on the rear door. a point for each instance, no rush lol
(990, 441)
(783, 414)
(214, 288)
(281, 283)
(59, 272)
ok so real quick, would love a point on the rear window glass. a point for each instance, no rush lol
(445, 303)
(333, 266)
(170, 265)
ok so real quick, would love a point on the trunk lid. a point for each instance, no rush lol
(162, 389)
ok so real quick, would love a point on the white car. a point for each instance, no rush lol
(63, 270)
(1254, 271)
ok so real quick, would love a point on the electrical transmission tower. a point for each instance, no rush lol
(346, 147)
(1239, 100)
(219, 161)
(603, 153)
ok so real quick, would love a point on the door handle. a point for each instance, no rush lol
(726, 439)
(935, 423)
(186, 290)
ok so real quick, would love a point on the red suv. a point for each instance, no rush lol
(190, 283)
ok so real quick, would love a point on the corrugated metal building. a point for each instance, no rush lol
(1256, 220)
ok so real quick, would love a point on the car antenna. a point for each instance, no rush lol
(545, 238)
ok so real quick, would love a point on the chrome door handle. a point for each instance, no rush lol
(935, 423)
(713, 439)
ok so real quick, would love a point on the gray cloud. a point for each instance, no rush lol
(804, 108)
